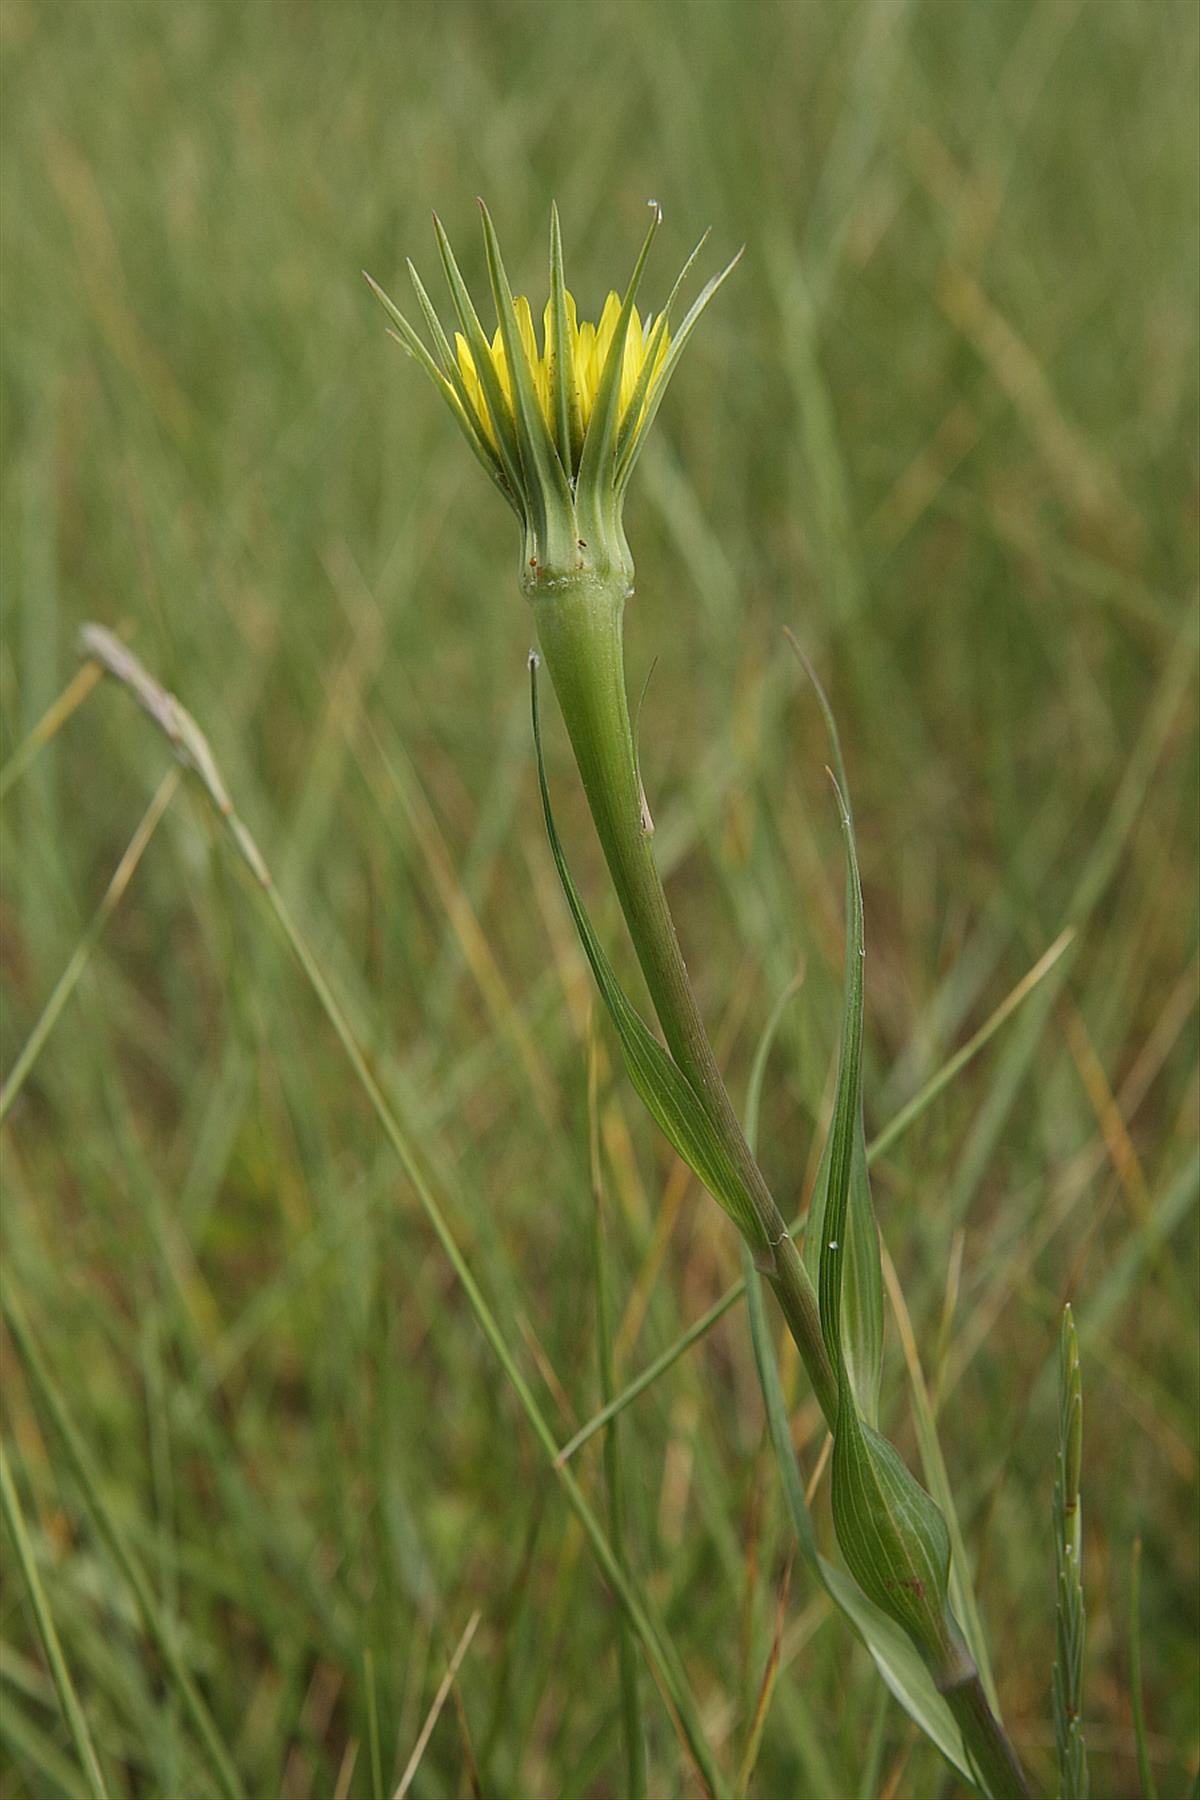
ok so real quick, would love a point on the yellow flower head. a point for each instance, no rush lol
(558, 426)
(588, 348)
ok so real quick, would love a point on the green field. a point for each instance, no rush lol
(942, 423)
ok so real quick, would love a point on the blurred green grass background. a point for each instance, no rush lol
(942, 423)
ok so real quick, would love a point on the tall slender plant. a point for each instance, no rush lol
(558, 427)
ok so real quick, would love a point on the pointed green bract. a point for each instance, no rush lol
(559, 445)
(595, 487)
(659, 386)
(630, 424)
(546, 483)
(440, 340)
(449, 385)
(497, 403)
(568, 425)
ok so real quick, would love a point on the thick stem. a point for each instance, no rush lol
(1002, 1775)
(579, 629)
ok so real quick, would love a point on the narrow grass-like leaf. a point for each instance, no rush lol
(68, 1699)
(662, 1087)
(898, 1663)
(69, 980)
(892, 1535)
(858, 1239)
(190, 745)
(1068, 1548)
(113, 1536)
(962, 1595)
(1137, 1697)
(903, 1671)
(842, 1245)
(631, 1706)
(862, 1312)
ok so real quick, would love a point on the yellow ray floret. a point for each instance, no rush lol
(588, 345)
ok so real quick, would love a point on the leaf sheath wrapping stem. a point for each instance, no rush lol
(579, 630)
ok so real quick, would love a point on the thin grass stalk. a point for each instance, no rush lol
(1068, 1555)
(73, 1714)
(445, 1686)
(34, 1752)
(78, 961)
(50, 723)
(105, 1524)
(1145, 1770)
(192, 748)
(373, 1743)
(631, 1705)
(662, 1658)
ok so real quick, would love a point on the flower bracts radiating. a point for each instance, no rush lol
(558, 419)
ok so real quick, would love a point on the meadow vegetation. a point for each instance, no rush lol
(940, 423)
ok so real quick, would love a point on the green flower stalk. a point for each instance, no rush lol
(559, 429)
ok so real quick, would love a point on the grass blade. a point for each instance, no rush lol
(962, 1593)
(68, 1699)
(861, 1278)
(1137, 1696)
(69, 980)
(631, 1706)
(1068, 1548)
(51, 721)
(192, 748)
(439, 1701)
(766, 1689)
(106, 1527)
